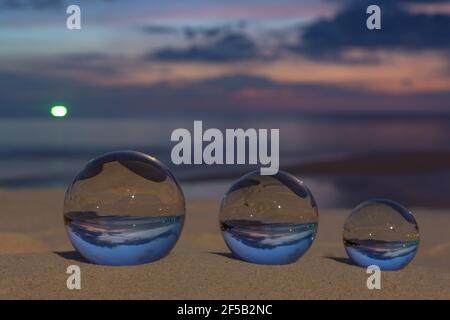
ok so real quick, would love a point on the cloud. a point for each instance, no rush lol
(401, 30)
(88, 63)
(214, 31)
(196, 32)
(387, 2)
(210, 32)
(35, 4)
(159, 29)
(232, 46)
(192, 33)
(30, 94)
(341, 38)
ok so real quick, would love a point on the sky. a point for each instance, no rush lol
(137, 59)
(138, 69)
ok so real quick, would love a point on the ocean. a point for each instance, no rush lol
(49, 152)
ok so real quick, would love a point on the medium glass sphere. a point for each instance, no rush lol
(383, 233)
(268, 219)
(124, 208)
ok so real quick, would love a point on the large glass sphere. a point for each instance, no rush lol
(268, 219)
(383, 233)
(124, 208)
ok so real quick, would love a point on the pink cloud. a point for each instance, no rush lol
(430, 8)
(231, 12)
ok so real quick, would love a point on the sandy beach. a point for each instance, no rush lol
(35, 252)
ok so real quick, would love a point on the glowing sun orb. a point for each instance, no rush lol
(58, 111)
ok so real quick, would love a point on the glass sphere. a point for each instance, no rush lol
(383, 233)
(124, 208)
(268, 219)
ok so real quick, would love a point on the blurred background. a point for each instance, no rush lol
(361, 113)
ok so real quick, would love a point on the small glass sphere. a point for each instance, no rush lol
(124, 208)
(383, 233)
(268, 219)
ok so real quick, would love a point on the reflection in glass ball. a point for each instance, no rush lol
(124, 208)
(268, 219)
(383, 233)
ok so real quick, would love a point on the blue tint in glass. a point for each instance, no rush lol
(268, 219)
(124, 208)
(383, 233)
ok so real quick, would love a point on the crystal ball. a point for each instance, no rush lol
(268, 219)
(124, 208)
(381, 232)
